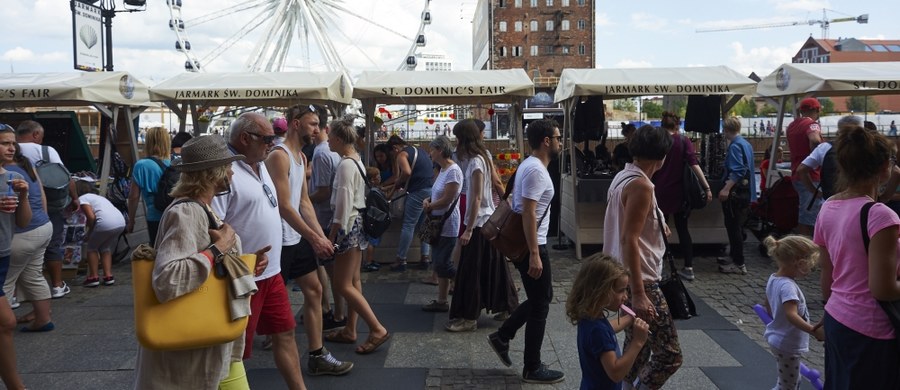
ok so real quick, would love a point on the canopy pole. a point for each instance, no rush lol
(368, 106)
(569, 141)
(107, 152)
(775, 140)
(132, 134)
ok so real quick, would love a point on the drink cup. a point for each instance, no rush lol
(9, 204)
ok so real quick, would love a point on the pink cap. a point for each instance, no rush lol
(279, 125)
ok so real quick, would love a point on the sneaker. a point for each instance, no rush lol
(14, 303)
(501, 316)
(461, 325)
(91, 282)
(686, 273)
(59, 292)
(543, 375)
(437, 307)
(326, 364)
(425, 264)
(500, 347)
(371, 267)
(329, 323)
(109, 280)
(722, 261)
(399, 267)
(733, 269)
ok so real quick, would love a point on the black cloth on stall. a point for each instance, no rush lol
(589, 121)
(703, 113)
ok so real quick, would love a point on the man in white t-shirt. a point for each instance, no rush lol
(816, 159)
(250, 207)
(531, 195)
(30, 136)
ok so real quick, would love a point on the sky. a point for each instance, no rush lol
(36, 35)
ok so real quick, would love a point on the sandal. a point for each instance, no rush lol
(339, 337)
(371, 344)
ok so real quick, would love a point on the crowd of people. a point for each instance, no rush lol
(306, 170)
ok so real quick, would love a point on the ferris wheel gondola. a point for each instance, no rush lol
(304, 34)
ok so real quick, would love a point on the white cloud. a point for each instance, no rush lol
(645, 21)
(18, 54)
(761, 60)
(632, 63)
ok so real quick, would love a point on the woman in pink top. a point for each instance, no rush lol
(860, 343)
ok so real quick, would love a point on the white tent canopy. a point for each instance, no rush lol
(457, 87)
(833, 79)
(277, 89)
(72, 89)
(710, 80)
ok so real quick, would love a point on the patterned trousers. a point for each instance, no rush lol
(661, 355)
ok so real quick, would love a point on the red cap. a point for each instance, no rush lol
(810, 104)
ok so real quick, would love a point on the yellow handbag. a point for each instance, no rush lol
(195, 320)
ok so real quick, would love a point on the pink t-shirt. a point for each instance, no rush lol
(837, 230)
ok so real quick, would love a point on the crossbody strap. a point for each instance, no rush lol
(158, 162)
(864, 224)
(412, 167)
(45, 154)
(363, 174)
(662, 231)
(212, 220)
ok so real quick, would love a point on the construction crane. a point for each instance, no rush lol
(825, 23)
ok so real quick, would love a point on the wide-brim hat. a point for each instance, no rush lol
(205, 152)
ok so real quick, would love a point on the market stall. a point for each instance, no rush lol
(584, 198)
(793, 82)
(454, 87)
(192, 93)
(116, 95)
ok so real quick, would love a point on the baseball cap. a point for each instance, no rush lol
(279, 125)
(810, 104)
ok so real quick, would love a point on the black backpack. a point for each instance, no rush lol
(828, 174)
(377, 214)
(167, 181)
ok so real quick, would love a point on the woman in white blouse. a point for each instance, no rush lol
(444, 199)
(347, 198)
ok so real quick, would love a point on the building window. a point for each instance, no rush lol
(565, 50)
(581, 49)
(548, 50)
(518, 4)
(519, 26)
(534, 3)
(549, 3)
(581, 24)
(549, 25)
(565, 3)
(534, 25)
(580, 2)
(564, 25)
(502, 3)
(503, 51)
(534, 51)
(517, 51)
(502, 26)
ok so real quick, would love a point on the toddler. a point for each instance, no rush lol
(105, 223)
(599, 291)
(788, 333)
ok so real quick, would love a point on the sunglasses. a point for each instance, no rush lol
(308, 109)
(266, 139)
(272, 201)
(6, 128)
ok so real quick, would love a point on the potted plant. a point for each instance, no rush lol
(203, 123)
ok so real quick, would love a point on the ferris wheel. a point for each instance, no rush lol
(276, 35)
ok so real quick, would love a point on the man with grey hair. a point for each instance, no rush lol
(30, 137)
(250, 207)
(817, 159)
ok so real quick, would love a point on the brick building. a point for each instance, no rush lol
(852, 50)
(540, 36)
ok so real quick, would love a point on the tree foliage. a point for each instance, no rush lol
(652, 110)
(624, 105)
(827, 105)
(745, 108)
(862, 104)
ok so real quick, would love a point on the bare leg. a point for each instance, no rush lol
(443, 289)
(312, 309)
(93, 264)
(346, 278)
(106, 260)
(8, 371)
(41, 313)
(325, 284)
(339, 302)
(287, 359)
(54, 268)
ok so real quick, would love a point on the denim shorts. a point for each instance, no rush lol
(807, 215)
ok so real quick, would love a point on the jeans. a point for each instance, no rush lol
(412, 218)
(442, 256)
(533, 312)
(54, 251)
(735, 212)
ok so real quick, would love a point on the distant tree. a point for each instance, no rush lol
(624, 105)
(745, 108)
(767, 109)
(652, 110)
(679, 107)
(862, 104)
(827, 105)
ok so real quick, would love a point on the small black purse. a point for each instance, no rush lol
(681, 306)
(891, 308)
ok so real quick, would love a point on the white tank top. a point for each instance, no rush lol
(296, 176)
(651, 246)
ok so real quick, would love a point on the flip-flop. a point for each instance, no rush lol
(46, 328)
(339, 337)
(371, 344)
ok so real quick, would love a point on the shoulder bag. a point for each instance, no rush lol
(681, 306)
(694, 193)
(398, 202)
(891, 308)
(434, 224)
(504, 229)
(197, 319)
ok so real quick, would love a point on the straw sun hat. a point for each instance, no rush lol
(205, 152)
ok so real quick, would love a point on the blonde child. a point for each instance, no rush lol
(105, 223)
(788, 333)
(374, 176)
(599, 291)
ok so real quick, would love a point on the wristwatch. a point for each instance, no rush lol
(217, 254)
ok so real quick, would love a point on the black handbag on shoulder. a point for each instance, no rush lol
(694, 192)
(891, 308)
(681, 306)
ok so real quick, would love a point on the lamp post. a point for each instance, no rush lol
(107, 12)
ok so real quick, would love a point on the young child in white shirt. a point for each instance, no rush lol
(105, 223)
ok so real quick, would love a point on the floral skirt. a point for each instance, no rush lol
(344, 241)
